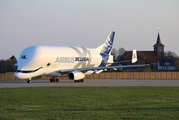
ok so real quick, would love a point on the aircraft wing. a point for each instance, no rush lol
(100, 68)
(119, 62)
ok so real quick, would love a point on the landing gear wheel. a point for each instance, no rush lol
(54, 79)
(82, 80)
(28, 81)
(57, 79)
(75, 81)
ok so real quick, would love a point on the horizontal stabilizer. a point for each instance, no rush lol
(99, 71)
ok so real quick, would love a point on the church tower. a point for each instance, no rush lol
(159, 48)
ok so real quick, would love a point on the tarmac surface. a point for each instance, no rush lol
(90, 83)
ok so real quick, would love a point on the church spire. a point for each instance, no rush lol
(158, 43)
(159, 47)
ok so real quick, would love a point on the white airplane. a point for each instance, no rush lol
(74, 62)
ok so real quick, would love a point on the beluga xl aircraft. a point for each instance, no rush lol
(74, 62)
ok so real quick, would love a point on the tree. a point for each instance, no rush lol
(114, 53)
(121, 51)
(177, 64)
(8, 65)
(3, 66)
(173, 56)
(141, 59)
(117, 54)
(170, 55)
(13, 58)
(121, 56)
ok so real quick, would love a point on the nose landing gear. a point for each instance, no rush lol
(29, 80)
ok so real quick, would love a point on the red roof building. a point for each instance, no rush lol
(154, 56)
(150, 55)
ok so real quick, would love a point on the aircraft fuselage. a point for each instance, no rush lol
(46, 60)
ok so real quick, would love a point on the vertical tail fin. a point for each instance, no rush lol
(107, 46)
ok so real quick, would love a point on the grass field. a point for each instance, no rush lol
(89, 103)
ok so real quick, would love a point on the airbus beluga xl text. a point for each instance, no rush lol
(74, 62)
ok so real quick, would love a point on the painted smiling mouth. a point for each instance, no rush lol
(28, 71)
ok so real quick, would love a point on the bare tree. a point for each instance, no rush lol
(114, 53)
(121, 52)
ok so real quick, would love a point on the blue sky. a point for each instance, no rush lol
(87, 23)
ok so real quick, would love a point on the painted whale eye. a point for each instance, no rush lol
(48, 64)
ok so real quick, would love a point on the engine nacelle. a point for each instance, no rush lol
(76, 75)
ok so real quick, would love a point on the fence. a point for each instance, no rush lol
(111, 75)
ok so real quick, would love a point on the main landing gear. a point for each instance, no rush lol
(78, 81)
(53, 79)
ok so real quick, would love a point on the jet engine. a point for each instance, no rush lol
(76, 75)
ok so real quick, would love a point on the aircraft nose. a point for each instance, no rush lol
(18, 75)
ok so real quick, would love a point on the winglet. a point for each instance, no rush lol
(134, 56)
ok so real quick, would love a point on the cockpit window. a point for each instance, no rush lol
(29, 71)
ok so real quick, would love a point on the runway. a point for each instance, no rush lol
(90, 83)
